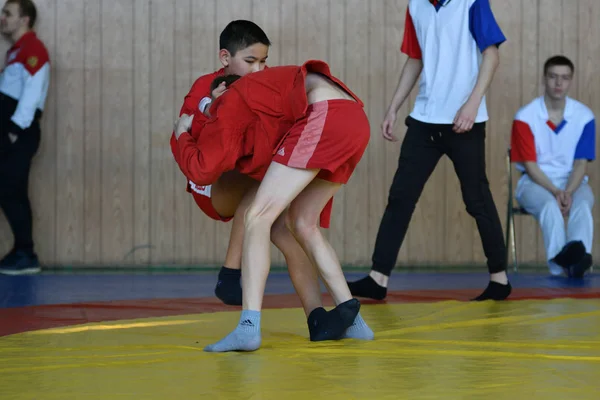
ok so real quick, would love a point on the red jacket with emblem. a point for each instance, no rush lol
(24, 84)
(248, 122)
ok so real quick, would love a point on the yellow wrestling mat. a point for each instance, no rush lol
(451, 350)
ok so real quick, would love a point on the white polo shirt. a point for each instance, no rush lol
(553, 147)
(449, 36)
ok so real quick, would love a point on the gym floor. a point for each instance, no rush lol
(74, 335)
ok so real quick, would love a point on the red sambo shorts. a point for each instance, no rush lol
(201, 195)
(332, 137)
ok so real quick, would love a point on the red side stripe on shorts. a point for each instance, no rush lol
(310, 137)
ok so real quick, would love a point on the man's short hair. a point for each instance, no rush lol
(26, 9)
(241, 34)
(558, 60)
(228, 79)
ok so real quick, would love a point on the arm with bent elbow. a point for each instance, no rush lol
(538, 176)
(410, 73)
(577, 175)
(218, 145)
(204, 159)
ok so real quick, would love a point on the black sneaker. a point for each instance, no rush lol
(571, 254)
(20, 263)
(578, 270)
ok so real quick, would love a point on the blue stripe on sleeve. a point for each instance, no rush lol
(483, 25)
(586, 148)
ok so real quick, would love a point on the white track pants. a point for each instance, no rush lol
(543, 206)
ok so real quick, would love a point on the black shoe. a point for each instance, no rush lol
(367, 287)
(578, 270)
(20, 262)
(495, 291)
(572, 253)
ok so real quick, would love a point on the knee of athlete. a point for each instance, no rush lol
(279, 230)
(260, 214)
(302, 226)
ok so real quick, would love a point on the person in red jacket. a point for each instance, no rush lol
(302, 132)
(244, 48)
(303, 274)
(24, 82)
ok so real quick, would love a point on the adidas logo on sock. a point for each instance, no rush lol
(246, 322)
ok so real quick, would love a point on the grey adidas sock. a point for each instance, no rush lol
(245, 337)
(359, 330)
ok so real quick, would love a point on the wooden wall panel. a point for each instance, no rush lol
(142, 178)
(106, 191)
(162, 112)
(70, 149)
(92, 134)
(117, 130)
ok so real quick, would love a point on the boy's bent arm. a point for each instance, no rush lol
(489, 65)
(201, 164)
(410, 73)
(538, 176)
(218, 146)
(576, 176)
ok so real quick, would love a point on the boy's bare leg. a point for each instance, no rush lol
(231, 196)
(303, 220)
(280, 186)
(303, 273)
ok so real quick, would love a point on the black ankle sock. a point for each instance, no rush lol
(318, 325)
(495, 291)
(331, 325)
(229, 288)
(367, 287)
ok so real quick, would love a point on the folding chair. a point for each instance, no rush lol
(512, 210)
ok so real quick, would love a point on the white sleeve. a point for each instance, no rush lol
(33, 97)
(204, 103)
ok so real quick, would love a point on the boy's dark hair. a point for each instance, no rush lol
(228, 79)
(240, 34)
(27, 9)
(558, 61)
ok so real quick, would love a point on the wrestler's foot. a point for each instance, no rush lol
(331, 325)
(578, 270)
(367, 287)
(572, 253)
(495, 291)
(229, 288)
(359, 330)
(245, 337)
